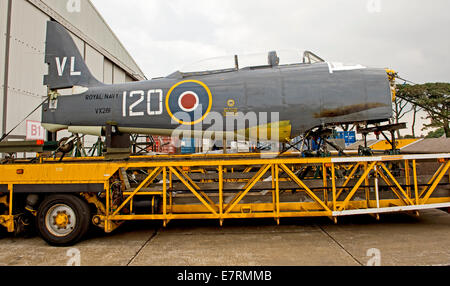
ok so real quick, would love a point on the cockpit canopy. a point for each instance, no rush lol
(250, 61)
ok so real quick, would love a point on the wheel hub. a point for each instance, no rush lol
(60, 220)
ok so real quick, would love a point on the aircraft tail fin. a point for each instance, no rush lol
(66, 65)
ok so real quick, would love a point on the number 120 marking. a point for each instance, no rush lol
(140, 94)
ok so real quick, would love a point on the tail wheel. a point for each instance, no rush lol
(62, 220)
(65, 145)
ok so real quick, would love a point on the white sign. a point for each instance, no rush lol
(35, 131)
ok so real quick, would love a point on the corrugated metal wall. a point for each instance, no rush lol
(118, 75)
(3, 20)
(106, 57)
(26, 64)
(95, 62)
(108, 71)
(79, 43)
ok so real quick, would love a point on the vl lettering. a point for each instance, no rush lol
(61, 66)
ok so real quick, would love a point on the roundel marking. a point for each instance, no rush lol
(192, 98)
(188, 101)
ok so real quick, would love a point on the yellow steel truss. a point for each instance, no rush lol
(224, 187)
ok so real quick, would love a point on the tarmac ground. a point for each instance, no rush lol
(396, 240)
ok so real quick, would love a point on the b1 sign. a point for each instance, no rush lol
(35, 131)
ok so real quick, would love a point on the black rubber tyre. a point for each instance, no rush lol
(75, 221)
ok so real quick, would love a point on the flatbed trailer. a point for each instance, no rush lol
(63, 198)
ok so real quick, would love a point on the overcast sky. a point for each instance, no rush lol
(410, 36)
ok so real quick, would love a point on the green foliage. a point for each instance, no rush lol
(436, 134)
(434, 98)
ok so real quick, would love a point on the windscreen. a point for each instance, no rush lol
(235, 62)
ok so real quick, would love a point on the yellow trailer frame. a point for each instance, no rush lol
(335, 197)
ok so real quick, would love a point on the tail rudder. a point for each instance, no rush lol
(66, 65)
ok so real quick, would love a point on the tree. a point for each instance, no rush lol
(416, 110)
(434, 99)
(401, 108)
(436, 134)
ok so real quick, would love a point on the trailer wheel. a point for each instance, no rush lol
(63, 220)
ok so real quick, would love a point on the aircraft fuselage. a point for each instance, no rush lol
(304, 95)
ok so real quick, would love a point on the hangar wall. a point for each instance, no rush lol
(3, 21)
(26, 51)
(107, 58)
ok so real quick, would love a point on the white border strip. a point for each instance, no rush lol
(336, 66)
(391, 210)
(426, 156)
(391, 158)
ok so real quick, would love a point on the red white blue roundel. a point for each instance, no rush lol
(189, 102)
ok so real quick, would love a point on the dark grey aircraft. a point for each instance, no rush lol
(306, 95)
